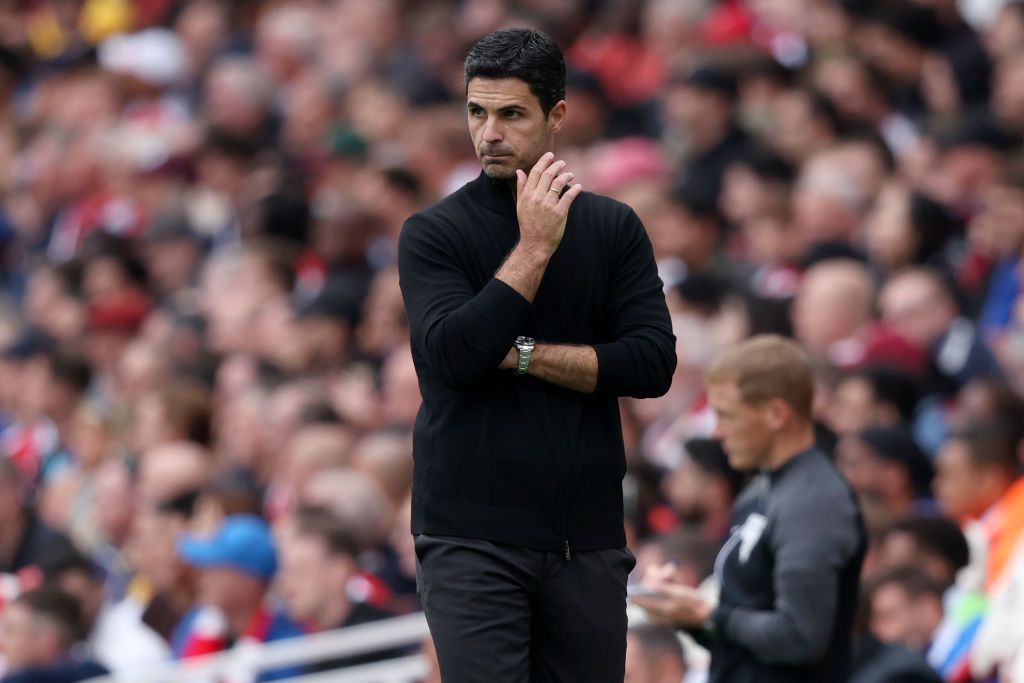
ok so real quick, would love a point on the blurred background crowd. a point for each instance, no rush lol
(206, 388)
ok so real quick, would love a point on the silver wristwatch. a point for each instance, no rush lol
(525, 347)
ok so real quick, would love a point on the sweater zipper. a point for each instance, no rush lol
(565, 533)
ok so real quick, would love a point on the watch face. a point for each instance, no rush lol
(526, 341)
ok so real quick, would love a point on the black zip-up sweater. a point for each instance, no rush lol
(508, 458)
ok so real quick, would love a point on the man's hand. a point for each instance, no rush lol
(540, 205)
(676, 604)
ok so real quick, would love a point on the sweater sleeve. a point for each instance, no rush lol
(641, 358)
(812, 544)
(460, 334)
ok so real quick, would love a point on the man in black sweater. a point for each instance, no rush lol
(789, 572)
(532, 307)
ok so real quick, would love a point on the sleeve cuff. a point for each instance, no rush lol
(502, 308)
(613, 367)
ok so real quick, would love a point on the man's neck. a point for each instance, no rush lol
(791, 444)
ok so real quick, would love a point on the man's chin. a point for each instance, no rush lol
(499, 171)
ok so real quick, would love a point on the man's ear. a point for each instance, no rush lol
(556, 117)
(778, 412)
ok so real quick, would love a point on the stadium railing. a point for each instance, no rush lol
(241, 661)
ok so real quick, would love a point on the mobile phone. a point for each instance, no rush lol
(640, 590)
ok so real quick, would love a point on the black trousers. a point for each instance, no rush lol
(506, 614)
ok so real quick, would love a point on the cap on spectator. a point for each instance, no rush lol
(126, 313)
(30, 343)
(884, 347)
(712, 79)
(154, 56)
(242, 542)
(895, 444)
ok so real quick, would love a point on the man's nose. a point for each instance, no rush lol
(492, 130)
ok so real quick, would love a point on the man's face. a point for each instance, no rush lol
(742, 428)
(852, 405)
(900, 549)
(958, 482)
(307, 571)
(508, 126)
(859, 464)
(891, 619)
(686, 488)
(913, 308)
(229, 589)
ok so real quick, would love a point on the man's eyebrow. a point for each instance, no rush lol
(470, 104)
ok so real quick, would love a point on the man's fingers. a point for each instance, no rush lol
(548, 176)
(538, 169)
(520, 181)
(559, 182)
(569, 196)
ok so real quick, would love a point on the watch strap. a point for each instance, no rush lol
(525, 350)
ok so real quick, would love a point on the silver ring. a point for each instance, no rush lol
(551, 189)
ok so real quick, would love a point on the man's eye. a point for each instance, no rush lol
(512, 115)
(476, 112)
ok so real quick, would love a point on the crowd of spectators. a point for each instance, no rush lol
(206, 387)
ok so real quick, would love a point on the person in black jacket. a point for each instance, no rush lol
(789, 572)
(532, 307)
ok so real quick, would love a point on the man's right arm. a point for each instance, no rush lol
(465, 335)
(462, 335)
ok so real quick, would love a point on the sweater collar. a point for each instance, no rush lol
(494, 194)
(777, 474)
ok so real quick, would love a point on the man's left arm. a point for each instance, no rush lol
(570, 366)
(641, 359)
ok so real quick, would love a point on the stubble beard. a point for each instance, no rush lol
(507, 172)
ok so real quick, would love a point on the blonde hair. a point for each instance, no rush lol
(766, 367)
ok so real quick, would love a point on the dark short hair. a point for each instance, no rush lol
(990, 444)
(57, 607)
(894, 386)
(524, 53)
(936, 535)
(70, 369)
(710, 457)
(319, 522)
